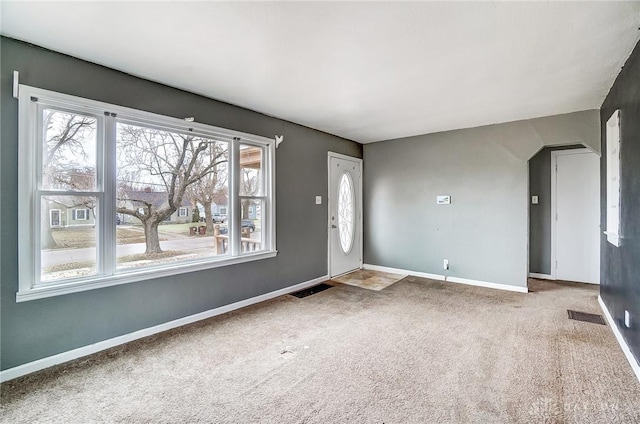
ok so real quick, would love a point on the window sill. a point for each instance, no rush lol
(50, 290)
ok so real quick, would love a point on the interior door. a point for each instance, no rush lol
(577, 215)
(345, 214)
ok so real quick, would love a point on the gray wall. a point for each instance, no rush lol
(540, 214)
(40, 328)
(483, 233)
(620, 266)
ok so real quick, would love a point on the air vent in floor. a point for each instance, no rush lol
(311, 290)
(586, 317)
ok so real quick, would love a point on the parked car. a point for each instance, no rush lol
(217, 218)
(246, 223)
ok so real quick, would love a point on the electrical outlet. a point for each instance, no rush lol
(627, 319)
(318, 200)
(445, 264)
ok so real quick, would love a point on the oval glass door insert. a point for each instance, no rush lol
(346, 212)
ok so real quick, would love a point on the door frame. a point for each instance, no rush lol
(554, 212)
(330, 204)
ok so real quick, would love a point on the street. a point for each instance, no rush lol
(187, 245)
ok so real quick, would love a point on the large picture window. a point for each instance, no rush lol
(108, 193)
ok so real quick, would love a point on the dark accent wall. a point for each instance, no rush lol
(40, 328)
(540, 214)
(620, 266)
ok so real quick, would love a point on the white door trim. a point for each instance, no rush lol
(330, 204)
(554, 164)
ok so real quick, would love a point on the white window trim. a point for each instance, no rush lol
(28, 249)
(182, 212)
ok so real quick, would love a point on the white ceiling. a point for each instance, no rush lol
(363, 71)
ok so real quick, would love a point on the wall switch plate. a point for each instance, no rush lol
(318, 200)
(443, 200)
(534, 200)
(627, 319)
(445, 264)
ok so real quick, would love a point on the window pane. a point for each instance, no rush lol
(163, 177)
(346, 212)
(68, 237)
(68, 151)
(251, 173)
(252, 225)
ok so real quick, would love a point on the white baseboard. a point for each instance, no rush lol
(487, 284)
(541, 276)
(623, 344)
(24, 369)
(403, 272)
(447, 278)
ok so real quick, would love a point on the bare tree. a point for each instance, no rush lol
(212, 186)
(170, 160)
(250, 186)
(162, 159)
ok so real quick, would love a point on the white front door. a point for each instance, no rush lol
(577, 216)
(345, 215)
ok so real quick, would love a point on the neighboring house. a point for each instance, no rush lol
(254, 211)
(61, 215)
(137, 199)
(220, 205)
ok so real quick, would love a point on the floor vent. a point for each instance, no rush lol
(586, 317)
(311, 290)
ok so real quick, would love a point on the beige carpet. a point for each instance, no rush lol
(419, 351)
(367, 279)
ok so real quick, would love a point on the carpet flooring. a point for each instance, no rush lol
(419, 351)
